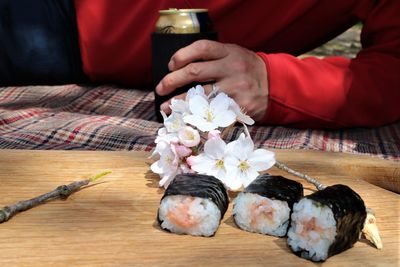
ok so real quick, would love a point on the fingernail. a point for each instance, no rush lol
(158, 87)
(171, 65)
(164, 106)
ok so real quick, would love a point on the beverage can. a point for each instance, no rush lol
(175, 29)
(182, 21)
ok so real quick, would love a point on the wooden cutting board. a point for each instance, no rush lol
(113, 223)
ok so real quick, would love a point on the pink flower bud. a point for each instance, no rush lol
(181, 151)
(189, 136)
(214, 134)
(189, 160)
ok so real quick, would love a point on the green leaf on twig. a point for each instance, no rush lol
(98, 176)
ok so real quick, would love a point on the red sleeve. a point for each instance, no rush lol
(338, 92)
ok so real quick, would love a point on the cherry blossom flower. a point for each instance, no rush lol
(164, 135)
(214, 134)
(196, 91)
(180, 150)
(240, 115)
(179, 106)
(166, 166)
(173, 122)
(244, 163)
(207, 116)
(160, 147)
(189, 136)
(210, 162)
(182, 106)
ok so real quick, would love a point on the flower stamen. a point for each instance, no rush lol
(244, 166)
(169, 160)
(209, 115)
(176, 125)
(219, 163)
(189, 135)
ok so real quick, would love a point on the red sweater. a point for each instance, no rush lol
(330, 93)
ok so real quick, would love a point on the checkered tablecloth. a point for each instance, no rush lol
(80, 117)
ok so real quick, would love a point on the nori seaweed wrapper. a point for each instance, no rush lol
(349, 212)
(276, 187)
(200, 185)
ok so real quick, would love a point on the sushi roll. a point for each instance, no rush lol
(326, 222)
(193, 204)
(265, 205)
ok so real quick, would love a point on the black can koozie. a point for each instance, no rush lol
(176, 29)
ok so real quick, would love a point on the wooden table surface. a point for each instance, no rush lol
(113, 223)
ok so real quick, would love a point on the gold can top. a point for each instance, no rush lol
(181, 21)
(177, 11)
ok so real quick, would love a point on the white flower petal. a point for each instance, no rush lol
(199, 122)
(240, 148)
(232, 181)
(198, 90)
(219, 173)
(262, 159)
(198, 105)
(162, 131)
(215, 148)
(168, 161)
(231, 162)
(163, 115)
(169, 138)
(220, 103)
(240, 116)
(174, 122)
(160, 147)
(166, 180)
(225, 118)
(246, 144)
(231, 149)
(189, 136)
(201, 164)
(179, 105)
(156, 167)
(249, 176)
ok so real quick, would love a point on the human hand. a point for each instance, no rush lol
(238, 72)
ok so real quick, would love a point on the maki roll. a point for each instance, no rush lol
(265, 205)
(326, 222)
(193, 204)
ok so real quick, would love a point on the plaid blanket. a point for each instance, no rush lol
(113, 118)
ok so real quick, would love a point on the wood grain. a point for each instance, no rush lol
(113, 222)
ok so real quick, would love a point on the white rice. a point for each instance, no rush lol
(258, 214)
(313, 229)
(189, 215)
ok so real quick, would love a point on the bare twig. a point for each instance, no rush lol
(61, 192)
(303, 176)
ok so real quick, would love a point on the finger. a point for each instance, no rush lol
(199, 50)
(194, 72)
(208, 88)
(166, 105)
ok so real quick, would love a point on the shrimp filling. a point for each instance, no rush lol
(255, 213)
(189, 215)
(313, 229)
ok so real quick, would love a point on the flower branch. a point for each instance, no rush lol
(191, 141)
